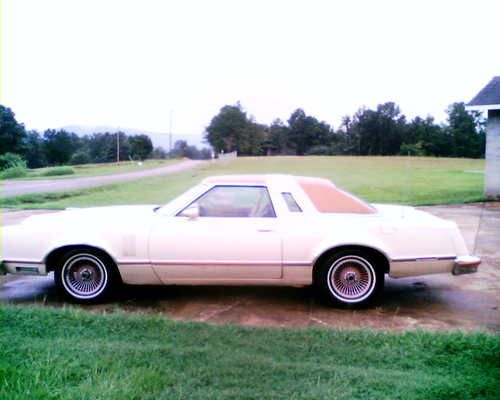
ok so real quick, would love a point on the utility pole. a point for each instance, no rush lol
(170, 134)
(118, 146)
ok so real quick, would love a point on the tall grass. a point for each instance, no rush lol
(58, 171)
(13, 172)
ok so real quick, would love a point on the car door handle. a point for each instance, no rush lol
(264, 230)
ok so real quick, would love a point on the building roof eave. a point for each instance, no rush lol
(482, 107)
(489, 96)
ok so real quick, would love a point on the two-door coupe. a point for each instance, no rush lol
(239, 230)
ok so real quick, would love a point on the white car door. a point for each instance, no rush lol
(229, 233)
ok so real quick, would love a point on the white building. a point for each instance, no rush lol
(488, 100)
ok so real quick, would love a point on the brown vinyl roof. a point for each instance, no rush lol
(327, 198)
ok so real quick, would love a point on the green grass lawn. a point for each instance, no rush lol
(71, 354)
(97, 169)
(403, 180)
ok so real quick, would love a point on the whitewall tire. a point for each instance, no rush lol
(350, 277)
(85, 275)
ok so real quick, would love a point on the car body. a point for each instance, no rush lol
(239, 230)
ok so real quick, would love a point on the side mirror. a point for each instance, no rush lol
(192, 212)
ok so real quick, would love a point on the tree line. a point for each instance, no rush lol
(60, 147)
(382, 131)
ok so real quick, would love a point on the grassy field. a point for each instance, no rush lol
(97, 169)
(71, 354)
(403, 180)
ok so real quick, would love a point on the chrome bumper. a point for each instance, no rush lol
(465, 265)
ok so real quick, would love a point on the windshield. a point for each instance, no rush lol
(180, 201)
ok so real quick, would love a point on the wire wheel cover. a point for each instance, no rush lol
(84, 276)
(351, 278)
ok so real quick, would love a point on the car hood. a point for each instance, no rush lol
(92, 215)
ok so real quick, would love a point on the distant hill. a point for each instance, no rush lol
(158, 138)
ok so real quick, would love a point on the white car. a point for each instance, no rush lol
(239, 230)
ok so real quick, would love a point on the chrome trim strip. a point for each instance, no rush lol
(22, 262)
(422, 259)
(137, 262)
(201, 263)
(297, 264)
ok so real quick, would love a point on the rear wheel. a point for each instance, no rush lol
(350, 278)
(85, 275)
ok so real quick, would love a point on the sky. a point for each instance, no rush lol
(130, 63)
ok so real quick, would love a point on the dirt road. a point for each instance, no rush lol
(16, 188)
(431, 302)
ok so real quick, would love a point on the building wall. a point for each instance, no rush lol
(492, 187)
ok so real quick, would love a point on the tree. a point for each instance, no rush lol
(124, 147)
(179, 149)
(278, 138)
(205, 153)
(182, 149)
(141, 146)
(429, 138)
(306, 131)
(466, 130)
(347, 138)
(59, 146)
(102, 146)
(159, 153)
(231, 130)
(226, 128)
(34, 150)
(380, 131)
(12, 133)
(251, 141)
(297, 134)
(80, 157)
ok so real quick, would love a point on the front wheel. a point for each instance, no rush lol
(85, 275)
(350, 278)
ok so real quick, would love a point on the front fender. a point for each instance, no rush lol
(97, 242)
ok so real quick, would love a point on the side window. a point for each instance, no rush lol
(291, 203)
(236, 202)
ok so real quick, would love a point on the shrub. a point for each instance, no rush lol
(57, 171)
(415, 149)
(10, 160)
(318, 151)
(80, 157)
(13, 172)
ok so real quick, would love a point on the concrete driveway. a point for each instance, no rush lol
(431, 302)
(16, 188)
